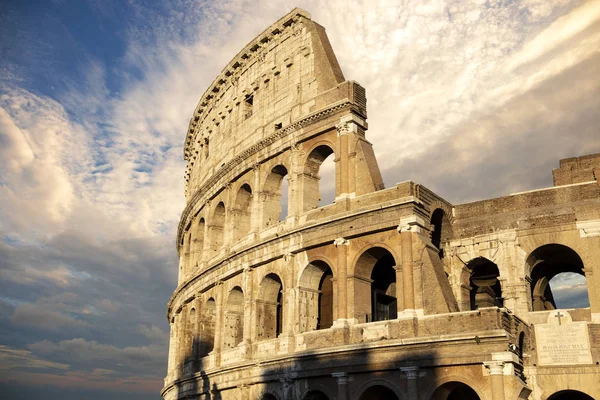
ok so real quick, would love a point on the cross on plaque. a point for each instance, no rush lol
(559, 316)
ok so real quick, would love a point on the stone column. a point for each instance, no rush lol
(342, 381)
(412, 383)
(341, 301)
(407, 268)
(257, 211)
(343, 129)
(496, 378)
(218, 339)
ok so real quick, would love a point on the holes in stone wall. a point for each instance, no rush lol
(316, 297)
(269, 308)
(233, 331)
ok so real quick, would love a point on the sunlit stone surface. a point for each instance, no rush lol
(384, 294)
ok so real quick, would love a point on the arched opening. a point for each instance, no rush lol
(268, 396)
(317, 191)
(378, 392)
(199, 241)
(242, 212)
(186, 250)
(217, 226)
(189, 342)
(269, 309)
(521, 346)
(570, 395)
(441, 230)
(315, 292)
(316, 395)
(233, 331)
(550, 261)
(207, 328)
(485, 284)
(376, 301)
(569, 290)
(454, 391)
(275, 191)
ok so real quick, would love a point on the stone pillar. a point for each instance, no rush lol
(407, 269)
(220, 305)
(592, 293)
(343, 129)
(172, 347)
(412, 382)
(341, 300)
(342, 381)
(257, 209)
(496, 378)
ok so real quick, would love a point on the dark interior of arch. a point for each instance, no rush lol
(485, 286)
(383, 288)
(454, 391)
(441, 229)
(325, 319)
(378, 392)
(546, 262)
(268, 397)
(570, 395)
(316, 395)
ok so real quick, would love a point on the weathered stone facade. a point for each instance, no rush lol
(384, 294)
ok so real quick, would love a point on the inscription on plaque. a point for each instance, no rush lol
(562, 341)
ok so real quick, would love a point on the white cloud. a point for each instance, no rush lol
(11, 358)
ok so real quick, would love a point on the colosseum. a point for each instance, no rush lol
(385, 293)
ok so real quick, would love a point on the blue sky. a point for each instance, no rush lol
(473, 99)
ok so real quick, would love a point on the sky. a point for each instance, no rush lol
(474, 99)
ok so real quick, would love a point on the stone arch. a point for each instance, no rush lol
(242, 212)
(269, 307)
(315, 296)
(208, 321)
(375, 285)
(217, 227)
(544, 263)
(481, 284)
(570, 395)
(455, 390)
(274, 199)
(315, 395)
(441, 229)
(378, 382)
(311, 177)
(198, 247)
(268, 396)
(379, 391)
(233, 331)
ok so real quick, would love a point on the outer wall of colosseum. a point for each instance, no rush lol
(384, 294)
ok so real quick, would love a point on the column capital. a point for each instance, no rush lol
(411, 372)
(341, 377)
(495, 367)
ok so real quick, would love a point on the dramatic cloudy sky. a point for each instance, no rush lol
(473, 99)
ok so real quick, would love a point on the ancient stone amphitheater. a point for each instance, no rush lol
(384, 294)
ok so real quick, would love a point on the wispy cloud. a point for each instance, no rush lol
(474, 99)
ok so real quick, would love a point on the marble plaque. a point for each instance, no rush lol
(562, 341)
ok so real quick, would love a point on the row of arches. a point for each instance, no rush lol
(206, 234)
(453, 390)
(375, 296)
(549, 265)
